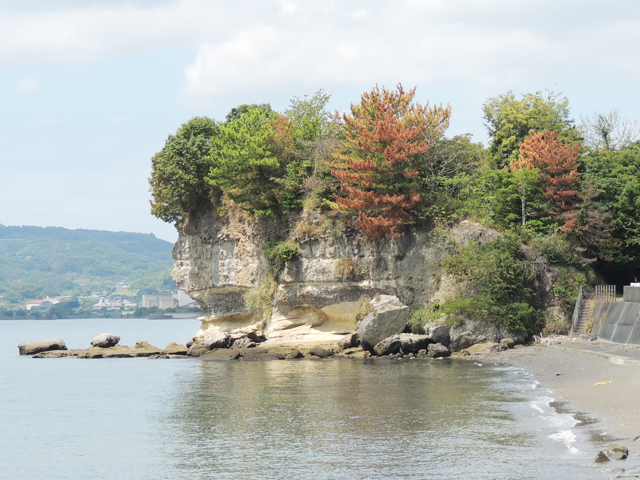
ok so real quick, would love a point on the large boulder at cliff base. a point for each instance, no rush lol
(388, 346)
(219, 340)
(37, 346)
(413, 343)
(105, 340)
(440, 334)
(389, 317)
(436, 350)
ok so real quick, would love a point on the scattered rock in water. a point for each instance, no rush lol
(159, 356)
(105, 340)
(262, 354)
(295, 353)
(222, 354)
(37, 346)
(349, 341)
(437, 350)
(388, 318)
(320, 352)
(388, 346)
(617, 452)
(175, 349)
(413, 343)
(601, 457)
(244, 342)
(219, 340)
(197, 349)
(440, 334)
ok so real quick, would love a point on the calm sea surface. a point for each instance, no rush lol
(331, 419)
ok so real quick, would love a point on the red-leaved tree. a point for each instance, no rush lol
(557, 163)
(376, 162)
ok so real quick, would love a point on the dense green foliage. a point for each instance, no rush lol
(37, 262)
(387, 163)
(509, 121)
(501, 283)
(178, 171)
(615, 180)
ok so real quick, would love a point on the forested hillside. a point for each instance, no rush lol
(36, 262)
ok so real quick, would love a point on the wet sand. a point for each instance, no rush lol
(578, 375)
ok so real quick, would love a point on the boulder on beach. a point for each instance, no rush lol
(413, 343)
(37, 346)
(437, 350)
(349, 341)
(320, 352)
(219, 340)
(389, 317)
(388, 346)
(105, 340)
(440, 334)
(617, 452)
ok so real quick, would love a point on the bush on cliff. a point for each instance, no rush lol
(501, 283)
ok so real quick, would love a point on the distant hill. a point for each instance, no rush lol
(36, 262)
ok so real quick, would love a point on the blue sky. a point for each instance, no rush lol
(90, 89)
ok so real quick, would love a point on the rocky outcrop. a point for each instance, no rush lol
(317, 296)
(141, 349)
(105, 340)
(32, 348)
(175, 349)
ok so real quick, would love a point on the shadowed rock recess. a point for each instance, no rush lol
(339, 283)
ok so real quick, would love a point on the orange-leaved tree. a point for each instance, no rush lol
(376, 163)
(557, 163)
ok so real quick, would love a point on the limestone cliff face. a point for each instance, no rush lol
(217, 260)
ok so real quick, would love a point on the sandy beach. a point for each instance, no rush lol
(598, 378)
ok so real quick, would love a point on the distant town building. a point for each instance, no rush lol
(160, 301)
(39, 305)
(184, 300)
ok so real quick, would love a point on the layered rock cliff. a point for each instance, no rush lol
(219, 259)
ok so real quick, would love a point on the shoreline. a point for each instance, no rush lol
(598, 382)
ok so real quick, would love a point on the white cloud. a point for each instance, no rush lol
(26, 85)
(286, 7)
(492, 43)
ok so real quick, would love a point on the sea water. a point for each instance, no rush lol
(316, 419)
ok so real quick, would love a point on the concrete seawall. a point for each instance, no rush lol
(619, 321)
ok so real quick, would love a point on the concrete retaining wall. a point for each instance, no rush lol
(631, 294)
(617, 321)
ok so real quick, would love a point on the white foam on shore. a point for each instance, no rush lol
(567, 437)
(554, 425)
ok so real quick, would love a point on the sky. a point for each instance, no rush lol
(90, 89)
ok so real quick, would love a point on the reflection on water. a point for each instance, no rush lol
(70, 419)
(348, 419)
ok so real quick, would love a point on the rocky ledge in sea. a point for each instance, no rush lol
(380, 334)
(104, 345)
